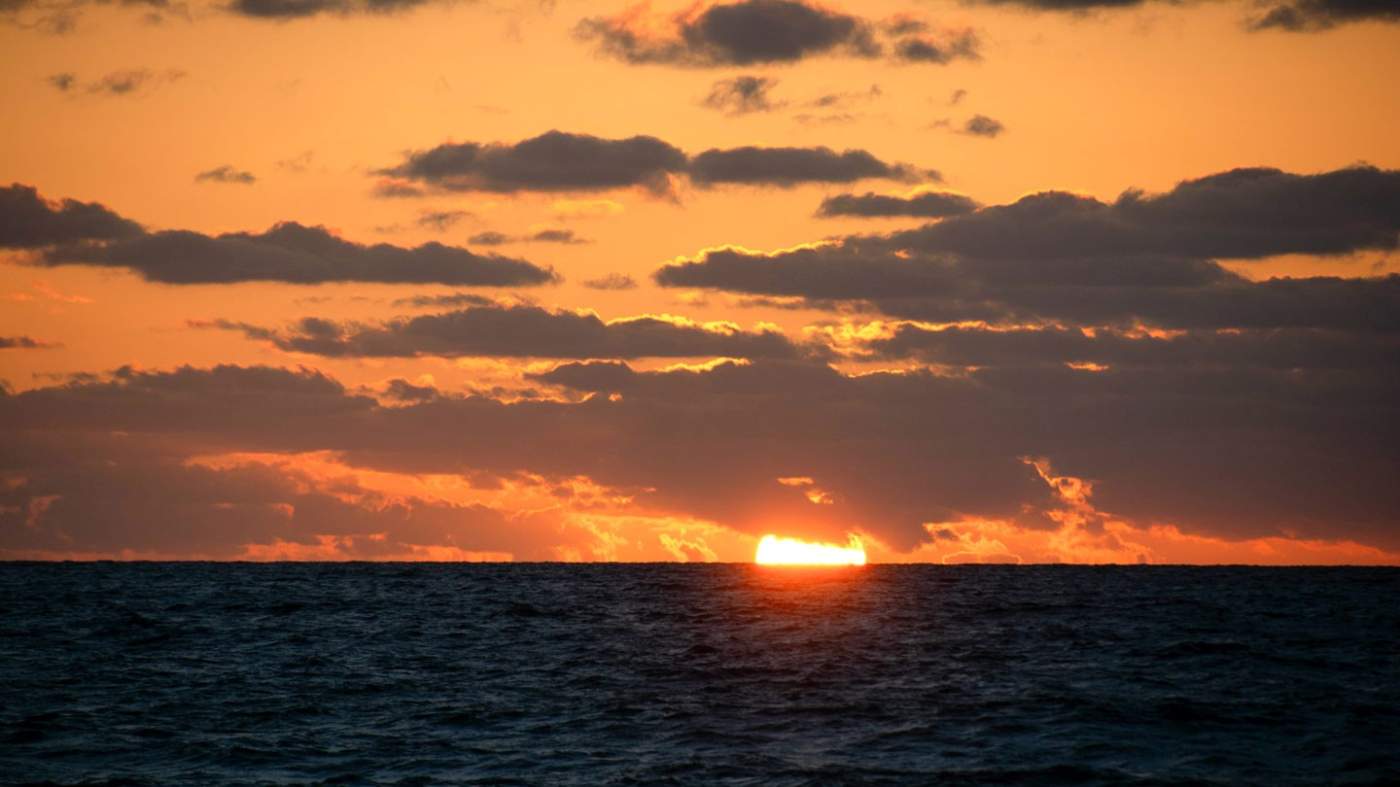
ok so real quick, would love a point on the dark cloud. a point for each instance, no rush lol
(792, 166)
(441, 220)
(1144, 258)
(300, 9)
(293, 253)
(1316, 15)
(612, 281)
(563, 236)
(962, 45)
(490, 238)
(397, 189)
(554, 161)
(562, 162)
(118, 83)
(226, 174)
(736, 34)
(493, 238)
(1169, 292)
(983, 126)
(1216, 450)
(927, 205)
(21, 343)
(63, 82)
(28, 221)
(520, 331)
(742, 95)
(451, 299)
(1243, 213)
(1279, 349)
(1292, 15)
(106, 496)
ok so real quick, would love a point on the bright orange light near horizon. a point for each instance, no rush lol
(775, 551)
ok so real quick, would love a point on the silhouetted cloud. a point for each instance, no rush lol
(983, 126)
(64, 81)
(28, 221)
(554, 161)
(612, 281)
(1243, 213)
(1315, 15)
(296, 254)
(300, 9)
(226, 174)
(493, 238)
(1291, 15)
(1279, 349)
(928, 205)
(116, 83)
(1216, 450)
(963, 45)
(792, 166)
(22, 343)
(557, 161)
(752, 32)
(520, 331)
(1143, 258)
(742, 33)
(441, 220)
(742, 95)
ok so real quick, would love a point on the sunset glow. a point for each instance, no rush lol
(776, 551)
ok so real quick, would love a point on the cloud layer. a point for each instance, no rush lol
(506, 331)
(753, 32)
(562, 162)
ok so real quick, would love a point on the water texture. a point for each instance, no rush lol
(697, 674)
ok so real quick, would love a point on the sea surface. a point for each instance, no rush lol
(198, 673)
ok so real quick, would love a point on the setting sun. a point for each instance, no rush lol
(775, 551)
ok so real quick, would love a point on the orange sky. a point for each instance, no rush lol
(1092, 103)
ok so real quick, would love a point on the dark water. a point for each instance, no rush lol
(543, 674)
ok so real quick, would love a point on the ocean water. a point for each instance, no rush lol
(697, 674)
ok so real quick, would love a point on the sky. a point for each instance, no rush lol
(1021, 281)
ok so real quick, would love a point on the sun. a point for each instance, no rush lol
(776, 551)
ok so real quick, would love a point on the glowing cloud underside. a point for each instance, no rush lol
(775, 551)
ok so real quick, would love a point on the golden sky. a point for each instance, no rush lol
(1211, 368)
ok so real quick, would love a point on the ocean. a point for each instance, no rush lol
(208, 673)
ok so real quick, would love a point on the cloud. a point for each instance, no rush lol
(752, 32)
(28, 221)
(1223, 451)
(612, 281)
(742, 95)
(225, 174)
(983, 126)
(63, 82)
(1141, 259)
(786, 167)
(520, 331)
(561, 162)
(961, 45)
(301, 9)
(493, 238)
(116, 83)
(441, 220)
(1242, 213)
(296, 254)
(734, 34)
(932, 204)
(22, 343)
(554, 161)
(1278, 349)
(1291, 15)
(1316, 15)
